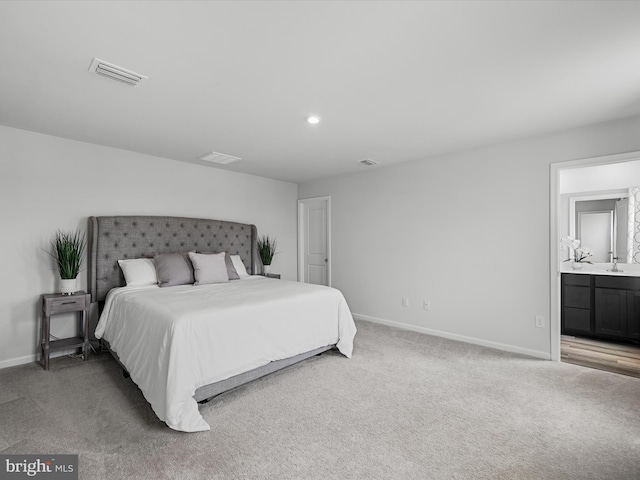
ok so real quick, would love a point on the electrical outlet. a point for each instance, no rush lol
(539, 321)
(426, 305)
(405, 301)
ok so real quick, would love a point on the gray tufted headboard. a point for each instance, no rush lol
(118, 237)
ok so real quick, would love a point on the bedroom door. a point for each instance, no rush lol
(314, 247)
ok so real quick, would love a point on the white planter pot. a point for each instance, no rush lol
(266, 269)
(577, 265)
(68, 286)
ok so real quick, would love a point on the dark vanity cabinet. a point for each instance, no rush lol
(633, 320)
(576, 304)
(601, 306)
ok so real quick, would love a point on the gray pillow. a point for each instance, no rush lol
(174, 269)
(209, 268)
(231, 270)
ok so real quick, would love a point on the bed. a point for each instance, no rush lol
(189, 342)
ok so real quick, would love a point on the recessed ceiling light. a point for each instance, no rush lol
(114, 72)
(313, 119)
(221, 158)
(368, 162)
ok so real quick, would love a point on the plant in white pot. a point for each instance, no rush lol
(578, 255)
(266, 249)
(68, 251)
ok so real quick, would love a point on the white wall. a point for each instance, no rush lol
(49, 183)
(600, 177)
(468, 232)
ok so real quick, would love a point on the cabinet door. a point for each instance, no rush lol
(575, 320)
(576, 304)
(611, 312)
(633, 314)
(576, 297)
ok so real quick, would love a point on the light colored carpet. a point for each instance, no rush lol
(406, 406)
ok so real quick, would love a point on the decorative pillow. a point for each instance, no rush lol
(231, 269)
(174, 269)
(209, 268)
(139, 271)
(239, 266)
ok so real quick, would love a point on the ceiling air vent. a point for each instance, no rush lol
(219, 158)
(368, 162)
(109, 70)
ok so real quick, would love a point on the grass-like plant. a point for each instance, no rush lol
(266, 249)
(68, 250)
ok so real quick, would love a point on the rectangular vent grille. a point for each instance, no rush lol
(219, 158)
(368, 162)
(109, 70)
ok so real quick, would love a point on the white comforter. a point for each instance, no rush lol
(174, 340)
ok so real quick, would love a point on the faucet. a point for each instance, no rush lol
(614, 267)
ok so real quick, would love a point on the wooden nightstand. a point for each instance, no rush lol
(271, 275)
(54, 303)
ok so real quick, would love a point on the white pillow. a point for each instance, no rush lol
(209, 268)
(239, 266)
(139, 271)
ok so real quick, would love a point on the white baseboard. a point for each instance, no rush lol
(452, 336)
(35, 357)
(12, 362)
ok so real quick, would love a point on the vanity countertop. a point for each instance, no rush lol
(625, 269)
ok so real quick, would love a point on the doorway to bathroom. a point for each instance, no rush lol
(595, 317)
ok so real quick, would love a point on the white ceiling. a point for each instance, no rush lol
(393, 81)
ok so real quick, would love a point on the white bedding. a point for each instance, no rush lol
(174, 340)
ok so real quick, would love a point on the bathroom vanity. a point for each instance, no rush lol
(601, 305)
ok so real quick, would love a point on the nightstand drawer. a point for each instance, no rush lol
(271, 275)
(67, 303)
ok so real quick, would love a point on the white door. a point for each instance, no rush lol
(596, 232)
(314, 263)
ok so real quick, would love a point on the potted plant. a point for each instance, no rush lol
(580, 254)
(266, 249)
(68, 251)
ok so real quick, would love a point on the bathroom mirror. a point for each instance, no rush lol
(595, 230)
(606, 223)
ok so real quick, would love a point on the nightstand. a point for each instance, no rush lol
(271, 275)
(55, 303)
